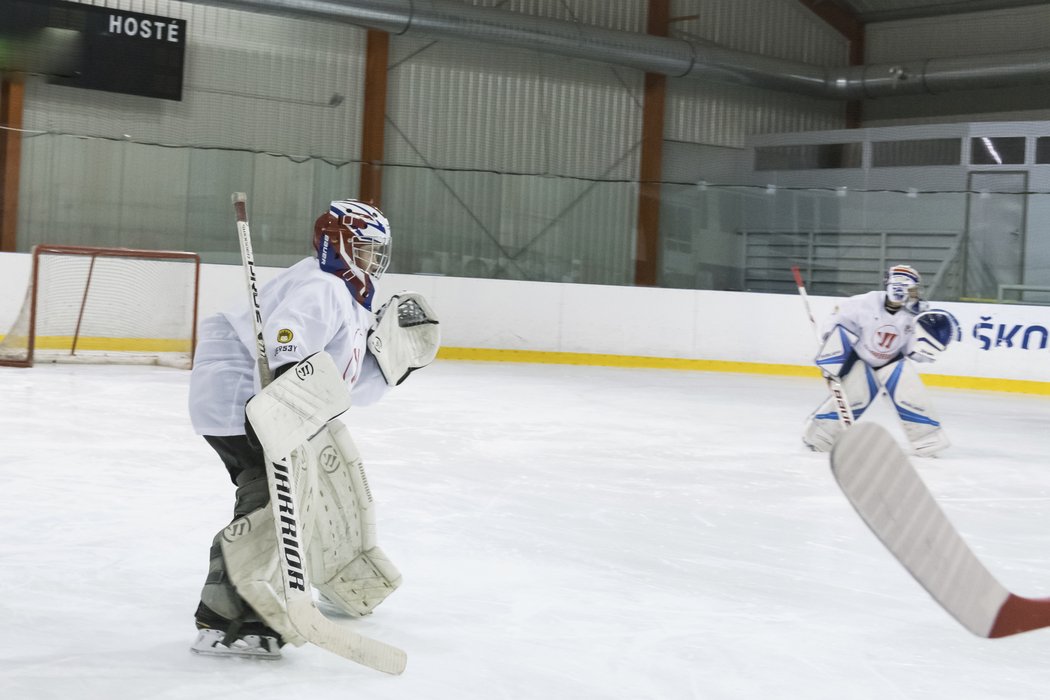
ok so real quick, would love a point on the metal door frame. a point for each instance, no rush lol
(970, 194)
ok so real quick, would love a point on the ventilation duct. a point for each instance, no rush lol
(676, 58)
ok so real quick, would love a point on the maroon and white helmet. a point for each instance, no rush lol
(352, 240)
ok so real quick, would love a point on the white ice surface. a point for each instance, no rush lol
(564, 533)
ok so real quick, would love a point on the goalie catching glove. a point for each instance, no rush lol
(405, 336)
(934, 331)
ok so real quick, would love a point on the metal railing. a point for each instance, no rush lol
(1023, 289)
(844, 263)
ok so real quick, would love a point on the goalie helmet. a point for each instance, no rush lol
(902, 285)
(352, 240)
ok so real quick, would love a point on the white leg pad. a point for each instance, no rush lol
(823, 425)
(930, 443)
(337, 517)
(363, 583)
(249, 546)
(250, 550)
(345, 563)
(921, 424)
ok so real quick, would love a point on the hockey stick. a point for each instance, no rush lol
(875, 475)
(842, 406)
(244, 235)
(303, 614)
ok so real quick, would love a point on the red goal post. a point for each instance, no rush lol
(106, 305)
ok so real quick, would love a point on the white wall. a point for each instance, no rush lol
(660, 323)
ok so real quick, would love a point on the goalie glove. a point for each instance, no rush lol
(296, 405)
(934, 332)
(836, 355)
(405, 336)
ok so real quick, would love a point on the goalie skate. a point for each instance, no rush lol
(251, 646)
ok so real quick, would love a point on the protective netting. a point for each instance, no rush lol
(106, 306)
(502, 162)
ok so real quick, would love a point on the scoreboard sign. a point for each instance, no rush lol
(117, 51)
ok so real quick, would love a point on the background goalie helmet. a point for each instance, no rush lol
(352, 240)
(902, 285)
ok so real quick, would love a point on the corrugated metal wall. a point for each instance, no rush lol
(561, 134)
(1017, 29)
(257, 115)
(723, 115)
(499, 162)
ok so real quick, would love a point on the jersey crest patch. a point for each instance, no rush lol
(885, 336)
(284, 336)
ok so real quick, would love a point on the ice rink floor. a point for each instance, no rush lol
(565, 533)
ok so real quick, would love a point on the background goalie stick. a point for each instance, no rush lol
(303, 615)
(842, 406)
(875, 475)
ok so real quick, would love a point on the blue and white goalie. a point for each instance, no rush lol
(871, 336)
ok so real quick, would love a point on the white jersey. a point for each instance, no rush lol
(882, 335)
(304, 310)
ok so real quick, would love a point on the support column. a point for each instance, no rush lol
(12, 91)
(846, 24)
(373, 125)
(651, 166)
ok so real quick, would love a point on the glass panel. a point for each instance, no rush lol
(997, 150)
(1042, 150)
(808, 157)
(842, 227)
(995, 233)
(886, 154)
(725, 236)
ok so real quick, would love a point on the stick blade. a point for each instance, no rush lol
(1021, 615)
(322, 632)
(876, 476)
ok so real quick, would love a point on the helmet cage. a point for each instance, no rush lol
(353, 241)
(362, 251)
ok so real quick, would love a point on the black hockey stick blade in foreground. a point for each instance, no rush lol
(888, 494)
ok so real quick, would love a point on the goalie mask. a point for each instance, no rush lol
(352, 240)
(902, 285)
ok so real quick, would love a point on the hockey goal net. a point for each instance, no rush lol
(106, 305)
